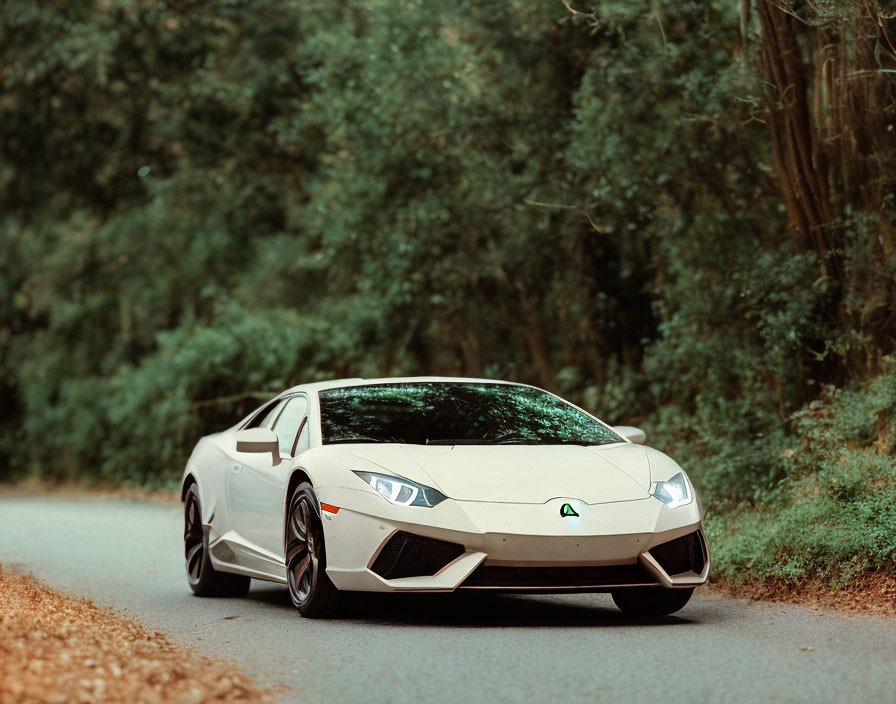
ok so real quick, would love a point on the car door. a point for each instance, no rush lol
(256, 487)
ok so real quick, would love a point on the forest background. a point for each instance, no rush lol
(679, 214)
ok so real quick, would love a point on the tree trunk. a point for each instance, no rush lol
(799, 161)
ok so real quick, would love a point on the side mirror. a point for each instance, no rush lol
(259, 440)
(635, 435)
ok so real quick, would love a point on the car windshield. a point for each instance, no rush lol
(455, 413)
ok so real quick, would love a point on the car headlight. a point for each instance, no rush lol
(402, 492)
(674, 492)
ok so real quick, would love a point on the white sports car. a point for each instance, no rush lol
(436, 485)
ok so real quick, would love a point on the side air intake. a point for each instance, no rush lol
(685, 554)
(409, 555)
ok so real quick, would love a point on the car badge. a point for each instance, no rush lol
(567, 511)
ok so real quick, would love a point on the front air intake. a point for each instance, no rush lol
(409, 555)
(559, 577)
(685, 554)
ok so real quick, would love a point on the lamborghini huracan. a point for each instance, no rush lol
(438, 485)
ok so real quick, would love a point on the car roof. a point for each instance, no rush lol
(341, 383)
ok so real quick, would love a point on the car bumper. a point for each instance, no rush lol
(510, 547)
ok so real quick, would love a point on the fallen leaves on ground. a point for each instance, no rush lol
(55, 648)
(870, 595)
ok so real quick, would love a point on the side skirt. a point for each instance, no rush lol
(230, 553)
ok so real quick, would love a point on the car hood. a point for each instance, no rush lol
(517, 473)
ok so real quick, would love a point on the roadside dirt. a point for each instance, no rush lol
(72, 491)
(55, 648)
(872, 595)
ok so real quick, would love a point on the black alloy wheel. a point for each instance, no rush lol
(194, 538)
(203, 578)
(310, 589)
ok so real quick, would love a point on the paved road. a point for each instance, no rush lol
(451, 648)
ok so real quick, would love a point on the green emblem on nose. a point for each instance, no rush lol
(566, 511)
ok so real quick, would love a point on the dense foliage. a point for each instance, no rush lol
(834, 515)
(678, 213)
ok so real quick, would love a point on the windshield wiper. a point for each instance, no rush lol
(359, 438)
(512, 438)
(505, 439)
(516, 439)
(453, 441)
(508, 439)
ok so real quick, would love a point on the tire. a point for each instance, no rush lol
(204, 579)
(651, 601)
(310, 589)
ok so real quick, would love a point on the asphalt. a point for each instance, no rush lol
(451, 648)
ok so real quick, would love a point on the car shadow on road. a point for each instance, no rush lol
(478, 610)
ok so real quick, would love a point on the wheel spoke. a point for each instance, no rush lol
(309, 517)
(301, 568)
(294, 547)
(299, 529)
(307, 578)
(194, 561)
(303, 507)
(193, 527)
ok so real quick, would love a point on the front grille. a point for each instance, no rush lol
(682, 554)
(495, 577)
(409, 555)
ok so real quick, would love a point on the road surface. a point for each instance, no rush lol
(449, 648)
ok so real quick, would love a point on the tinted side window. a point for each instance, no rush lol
(288, 422)
(274, 415)
(265, 416)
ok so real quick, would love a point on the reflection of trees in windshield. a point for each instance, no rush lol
(454, 413)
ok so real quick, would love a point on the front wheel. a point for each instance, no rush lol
(651, 601)
(203, 578)
(310, 589)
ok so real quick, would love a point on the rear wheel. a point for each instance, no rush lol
(651, 601)
(204, 579)
(310, 589)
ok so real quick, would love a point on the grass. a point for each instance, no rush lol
(832, 519)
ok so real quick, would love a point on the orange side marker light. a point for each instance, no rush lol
(328, 508)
